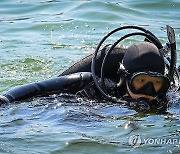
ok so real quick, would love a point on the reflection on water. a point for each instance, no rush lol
(41, 38)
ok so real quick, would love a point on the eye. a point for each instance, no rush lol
(141, 80)
(157, 82)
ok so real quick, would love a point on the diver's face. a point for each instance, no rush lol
(142, 80)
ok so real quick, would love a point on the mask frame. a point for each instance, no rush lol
(162, 90)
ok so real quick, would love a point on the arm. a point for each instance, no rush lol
(71, 83)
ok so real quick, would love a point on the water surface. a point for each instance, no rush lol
(39, 39)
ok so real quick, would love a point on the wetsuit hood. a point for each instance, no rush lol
(143, 56)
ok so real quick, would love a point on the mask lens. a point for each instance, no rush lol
(141, 80)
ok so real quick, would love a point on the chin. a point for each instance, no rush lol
(149, 98)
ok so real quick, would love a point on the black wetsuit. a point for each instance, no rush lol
(75, 79)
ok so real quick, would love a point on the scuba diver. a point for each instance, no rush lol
(142, 71)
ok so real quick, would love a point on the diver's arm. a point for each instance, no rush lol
(69, 83)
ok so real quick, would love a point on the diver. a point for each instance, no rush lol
(142, 71)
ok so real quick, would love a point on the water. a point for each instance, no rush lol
(41, 38)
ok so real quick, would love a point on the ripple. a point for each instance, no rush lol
(40, 38)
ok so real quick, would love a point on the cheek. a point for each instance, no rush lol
(157, 87)
(137, 84)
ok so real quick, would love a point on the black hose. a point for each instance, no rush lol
(159, 45)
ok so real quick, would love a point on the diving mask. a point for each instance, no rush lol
(148, 83)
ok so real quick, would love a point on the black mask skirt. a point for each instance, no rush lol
(148, 88)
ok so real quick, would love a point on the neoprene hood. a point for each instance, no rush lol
(143, 56)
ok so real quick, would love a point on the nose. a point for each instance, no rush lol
(149, 88)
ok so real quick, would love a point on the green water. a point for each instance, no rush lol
(39, 39)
